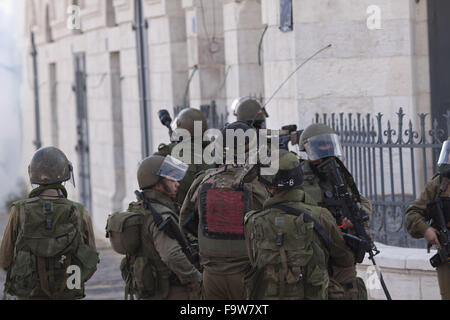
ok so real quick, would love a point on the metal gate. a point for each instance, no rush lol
(82, 147)
(214, 119)
(390, 164)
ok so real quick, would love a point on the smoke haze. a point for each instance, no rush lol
(10, 79)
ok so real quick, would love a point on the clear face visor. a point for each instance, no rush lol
(172, 169)
(444, 157)
(322, 146)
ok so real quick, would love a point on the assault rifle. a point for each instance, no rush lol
(436, 211)
(173, 231)
(289, 133)
(348, 207)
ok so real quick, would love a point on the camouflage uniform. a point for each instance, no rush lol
(416, 225)
(174, 271)
(316, 284)
(319, 188)
(13, 228)
(222, 273)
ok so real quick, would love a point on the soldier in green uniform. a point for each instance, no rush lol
(219, 199)
(186, 119)
(291, 241)
(158, 269)
(46, 234)
(420, 212)
(321, 143)
(250, 111)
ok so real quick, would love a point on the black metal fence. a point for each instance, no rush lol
(214, 118)
(390, 166)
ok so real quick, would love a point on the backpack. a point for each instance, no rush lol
(223, 201)
(50, 241)
(124, 231)
(289, 262)
(144, 273)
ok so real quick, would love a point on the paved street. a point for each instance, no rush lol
(106, 284)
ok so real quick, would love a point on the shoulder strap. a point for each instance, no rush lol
(248, 215)
(161, 208)
(307, 218)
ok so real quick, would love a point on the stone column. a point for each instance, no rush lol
(279, 62)
(243, 29)
(206, 53)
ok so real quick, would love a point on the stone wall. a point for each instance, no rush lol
(364, 70)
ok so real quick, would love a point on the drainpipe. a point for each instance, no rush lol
(37, 142)
(141, 26)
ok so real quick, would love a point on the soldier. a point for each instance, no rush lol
(158, 269)
(321, 143)
(186, 120)
(424, 209)
(250, 111)
(218, 199)
(46, 234)
(291, 240)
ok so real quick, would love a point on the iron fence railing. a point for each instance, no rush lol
(390, 166)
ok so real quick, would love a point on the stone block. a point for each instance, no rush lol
(178, 56)
(353, 39)
(312, 11)
(429, 287)
(158, 30)
(231, 48)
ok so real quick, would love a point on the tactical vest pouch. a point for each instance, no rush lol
(141, 277)
(23, 277)
(87, 259)
(145, 277)
(124, 231)
(223, 212)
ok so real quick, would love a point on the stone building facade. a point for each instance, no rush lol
(226, 49)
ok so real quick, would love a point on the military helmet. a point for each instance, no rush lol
(185, 120)
(156, 167)
(249, 110)
(320, 141)
(444, 159)
(289, 172)
(49, 165)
